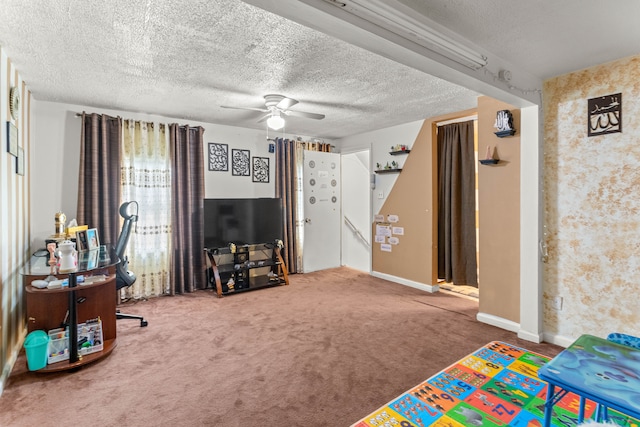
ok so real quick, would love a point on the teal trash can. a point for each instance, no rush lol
(35, 345)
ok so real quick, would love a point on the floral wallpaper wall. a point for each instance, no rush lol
(592, 205)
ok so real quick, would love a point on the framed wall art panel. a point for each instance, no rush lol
(218, 157)
(240, 165)
(260, 169)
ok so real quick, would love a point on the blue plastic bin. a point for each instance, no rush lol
(35, 345)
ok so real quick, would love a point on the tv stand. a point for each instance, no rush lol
(238, 268)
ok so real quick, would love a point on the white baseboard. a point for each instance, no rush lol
(530, 336)
(423, 287)
(498, 322)
(558, 339)
(525, 335)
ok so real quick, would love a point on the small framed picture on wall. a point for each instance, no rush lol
(12, 139)
(20, 161)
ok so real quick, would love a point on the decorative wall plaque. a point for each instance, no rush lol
(240, 165)
(504, 124)
(218, 157)
(605, 115)
(260, 169)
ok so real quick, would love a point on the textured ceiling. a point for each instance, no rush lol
(184, 59)
(546, 37)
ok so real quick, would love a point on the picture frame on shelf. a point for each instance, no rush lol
(93, 240)
(82, 244)
(12, 139)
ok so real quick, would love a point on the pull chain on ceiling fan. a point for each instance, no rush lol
(275, 107)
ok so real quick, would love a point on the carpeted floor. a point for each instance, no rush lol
(324, 351)
(468, 291)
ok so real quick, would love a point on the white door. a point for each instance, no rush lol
(356, 210)
(322, 213)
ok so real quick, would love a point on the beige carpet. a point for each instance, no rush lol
(324, 351)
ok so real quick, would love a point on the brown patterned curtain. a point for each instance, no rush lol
(99, 178)
(289, 174)
(187, 211)
(456, 204)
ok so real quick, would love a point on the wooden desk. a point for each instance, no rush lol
(598, 370)
(47, 308)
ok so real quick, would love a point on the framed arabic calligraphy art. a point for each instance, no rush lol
(241, 164)
(605, 114)
(218, 157)
(260, 169)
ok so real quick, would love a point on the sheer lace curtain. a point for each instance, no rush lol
(146, 178)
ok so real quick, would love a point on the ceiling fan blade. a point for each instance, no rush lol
(263, 118)
(286, 103)
(262, 110)
(304, 114)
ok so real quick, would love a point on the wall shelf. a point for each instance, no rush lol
(505, 133)
(388, 171)
(395, 153)
(489, 161)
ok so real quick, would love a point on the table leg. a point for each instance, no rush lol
(602, 413)
(548, 405)
(73, 320)
(581, 411)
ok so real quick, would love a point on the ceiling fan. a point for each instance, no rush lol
(275, 107)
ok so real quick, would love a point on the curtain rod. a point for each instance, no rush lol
(88, 114)
(458, 120)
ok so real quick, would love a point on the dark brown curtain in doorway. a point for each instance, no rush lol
(99, 178)
(456, 204)
(289, 170)
(187, 219)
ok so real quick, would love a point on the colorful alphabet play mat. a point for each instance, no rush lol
(496, 385)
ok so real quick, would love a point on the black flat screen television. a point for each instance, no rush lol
(242, 221)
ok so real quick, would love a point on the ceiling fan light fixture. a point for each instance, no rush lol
(275, 122)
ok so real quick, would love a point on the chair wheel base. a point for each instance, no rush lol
(143, 322)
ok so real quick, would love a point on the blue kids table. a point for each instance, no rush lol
(598, 370)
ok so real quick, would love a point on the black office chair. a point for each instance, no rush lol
(124, 277)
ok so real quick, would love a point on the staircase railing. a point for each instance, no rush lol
(356, 231)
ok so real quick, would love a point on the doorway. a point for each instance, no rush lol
(458, 225)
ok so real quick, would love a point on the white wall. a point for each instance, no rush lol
(380, 141)
(56, 157)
